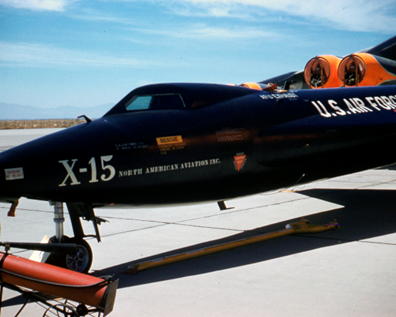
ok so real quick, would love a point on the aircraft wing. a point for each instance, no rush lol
(386, 49)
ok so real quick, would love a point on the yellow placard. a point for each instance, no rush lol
(169, 140)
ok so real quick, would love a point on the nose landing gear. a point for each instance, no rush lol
(81, 261)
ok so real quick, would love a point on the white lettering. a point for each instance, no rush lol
(393, 99)
(94, 178)
(388, 102)
(333, 104)
(70, 173)
(360, 104)
(290, 95)
(321, 109)
(111, 168)
(351, 107)
(168, 168)
(355, 106)
(372, 104)
(381, 103)
(133, 172)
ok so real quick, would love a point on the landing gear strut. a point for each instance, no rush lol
(82, 260)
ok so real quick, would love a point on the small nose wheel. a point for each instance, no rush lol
(80, 262)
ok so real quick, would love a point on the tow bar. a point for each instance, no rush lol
(302, 226)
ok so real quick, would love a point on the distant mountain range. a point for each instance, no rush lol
(20, 112)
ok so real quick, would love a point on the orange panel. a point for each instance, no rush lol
(251, 86)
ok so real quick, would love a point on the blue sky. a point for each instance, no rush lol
(87, 53)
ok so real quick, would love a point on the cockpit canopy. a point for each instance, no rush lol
(177, 96)
(155, 102)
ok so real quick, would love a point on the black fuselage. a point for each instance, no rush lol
(217, 143)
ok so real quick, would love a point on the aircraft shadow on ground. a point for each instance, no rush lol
(367, 214)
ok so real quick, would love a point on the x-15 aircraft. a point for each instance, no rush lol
(187, 143)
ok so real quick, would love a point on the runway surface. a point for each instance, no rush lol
(346, 272)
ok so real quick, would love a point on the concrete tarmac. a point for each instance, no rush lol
(345, 272)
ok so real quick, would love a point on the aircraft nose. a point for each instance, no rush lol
(2, 173)
(11, 177)
(7, 174)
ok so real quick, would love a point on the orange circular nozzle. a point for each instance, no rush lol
(321, 72)
(352, 70)
(363, 69)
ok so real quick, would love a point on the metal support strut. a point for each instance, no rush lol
(59, 219)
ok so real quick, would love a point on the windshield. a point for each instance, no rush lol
(155, 102)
